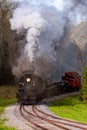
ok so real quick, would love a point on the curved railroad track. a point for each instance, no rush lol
(34, 125)
(44, 118)
(41, 120)
(63, 121)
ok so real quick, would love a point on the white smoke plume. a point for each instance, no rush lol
(44, 27)
(43, 24)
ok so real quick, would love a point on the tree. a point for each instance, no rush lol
(83, 91)
(6, 8)
(82, 66)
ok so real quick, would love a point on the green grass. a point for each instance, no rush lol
(70, 108)
(7, 97)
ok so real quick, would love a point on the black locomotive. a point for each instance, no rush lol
(33, 89)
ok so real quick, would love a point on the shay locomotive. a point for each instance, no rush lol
(33, 89)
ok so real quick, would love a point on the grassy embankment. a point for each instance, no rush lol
(70, 108)
(7, 97)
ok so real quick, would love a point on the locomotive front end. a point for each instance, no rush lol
(30, 89)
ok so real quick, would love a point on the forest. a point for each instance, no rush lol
(7, 42)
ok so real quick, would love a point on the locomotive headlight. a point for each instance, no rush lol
(28, 79)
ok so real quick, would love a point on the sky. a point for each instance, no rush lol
(59, 4)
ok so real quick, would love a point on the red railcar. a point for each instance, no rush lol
(72, 79)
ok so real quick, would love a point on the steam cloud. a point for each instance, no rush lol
(76, 10)
(43, 26)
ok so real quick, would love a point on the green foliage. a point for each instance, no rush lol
(6, 102)
(83, 91)
(70, 108)
(7, 97)
(2, 127)
(1, 109)
(69, 101)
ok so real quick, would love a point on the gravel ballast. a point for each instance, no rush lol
(15, 119)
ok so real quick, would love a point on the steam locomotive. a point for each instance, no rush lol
(33, 89)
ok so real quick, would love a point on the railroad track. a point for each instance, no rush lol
(34, 125)
(72, 124)
(55, 122)
(40, 119)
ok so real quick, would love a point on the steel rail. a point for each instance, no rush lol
(47, 120)
(28, 120)
(63, 119)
